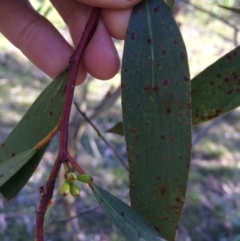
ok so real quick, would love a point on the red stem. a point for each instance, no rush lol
(74, 62)
(63, 154)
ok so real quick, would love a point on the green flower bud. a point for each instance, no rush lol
(86, 178)
(65, 189)
(74, 190)
(71, 176)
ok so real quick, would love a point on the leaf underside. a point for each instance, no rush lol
(126, 220)
(37, 123)
(156, 115)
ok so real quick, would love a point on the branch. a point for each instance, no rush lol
(63, 154)
(100, 135)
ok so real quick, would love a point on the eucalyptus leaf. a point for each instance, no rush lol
(156, 115)
(215, 91)
(36, 124)
(235, 10)
(14, 164)
(126, 220)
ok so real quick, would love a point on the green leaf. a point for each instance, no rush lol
(12, 165)
(235, 10)
(156, 115)
(117, 129)
(127, 221)
(216, 90)
(37, 123)
(170, 4)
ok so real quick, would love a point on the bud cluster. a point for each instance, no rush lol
(69, 186)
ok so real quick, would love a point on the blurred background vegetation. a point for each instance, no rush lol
(212, 210)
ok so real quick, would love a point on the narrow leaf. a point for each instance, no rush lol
(156, 115)
(117, 129)
(126, 220)
(235, 10)
(170, 4)
(38, 121)
(216, 90)
(11, 166)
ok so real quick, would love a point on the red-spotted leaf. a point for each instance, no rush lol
(37, 123)
(156, 115)
(14, 164)
(215, 91)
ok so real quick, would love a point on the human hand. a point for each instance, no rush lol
(44, 46)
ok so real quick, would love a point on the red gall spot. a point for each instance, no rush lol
(63, 92)
(157, 229)
(173, 140)
(159, 46)
(218, 75)
(149, 41)
(122, 85)
(169, 111)
(180, 114)
(182, 55)
(135, 55)
(138, 105)
(163, 137)
(229, 57)
(137, 137)
(166, 218)
(226, 80)
(175, 41)
(133, 36)
(155, 88)
(133, 130)
(174, 207)
(189, 106)
(147, 87)
(190, 145)
(165, 82)
(178, 199)
(162, 191)
(130, 160)
(156, 9)
(186, 78)
(158, 178)
(164, 52)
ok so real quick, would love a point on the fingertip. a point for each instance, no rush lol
(116, 22)
(82, 75)
(100, 58)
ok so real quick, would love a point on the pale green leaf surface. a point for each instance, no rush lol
(126, 220)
